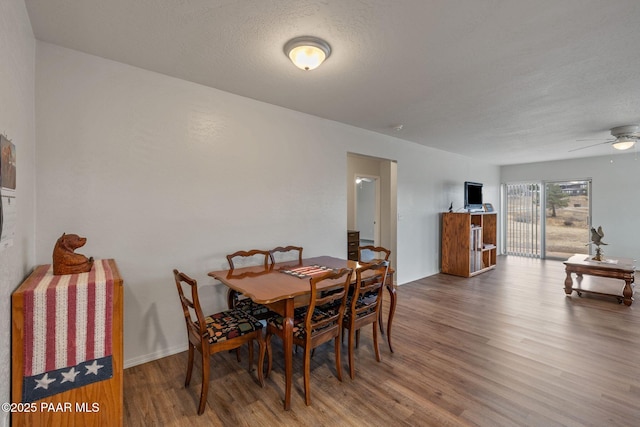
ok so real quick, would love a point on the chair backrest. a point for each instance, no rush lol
(193, 316)
(287, 252)
(367, 293)
(369, 253)
(245, 258)
(334, 297)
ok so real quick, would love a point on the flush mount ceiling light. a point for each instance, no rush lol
(307, 52)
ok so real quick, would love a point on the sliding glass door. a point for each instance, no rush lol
(547, 219)
(567, 218)
(523, 233)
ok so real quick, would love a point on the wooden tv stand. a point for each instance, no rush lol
(469, 242)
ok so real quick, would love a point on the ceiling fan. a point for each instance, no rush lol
(624, 137)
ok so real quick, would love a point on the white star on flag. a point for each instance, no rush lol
(93, 368)
(44, 382)
(69, 376)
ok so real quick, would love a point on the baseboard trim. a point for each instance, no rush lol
(128, 363)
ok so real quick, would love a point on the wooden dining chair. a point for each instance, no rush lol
(364, 305)
(285, 253)
(248, 258)
(234, 300)
(369, 253)
(317, 323)
(216, 332)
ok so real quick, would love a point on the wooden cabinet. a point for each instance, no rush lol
(96, 404)
(353, 242)
(468, 242)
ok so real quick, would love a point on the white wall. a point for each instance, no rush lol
(161, 173)
(614, 200)
(17, 50)
(428, 181)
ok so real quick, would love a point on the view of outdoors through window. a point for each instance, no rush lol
(566, 216)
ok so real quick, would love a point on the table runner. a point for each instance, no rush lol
(307, 271)
(67, 331)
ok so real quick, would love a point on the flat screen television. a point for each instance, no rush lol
(473, 196)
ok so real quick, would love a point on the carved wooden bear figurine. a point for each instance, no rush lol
(65, 261)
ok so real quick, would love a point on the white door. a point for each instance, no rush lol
(368, 208)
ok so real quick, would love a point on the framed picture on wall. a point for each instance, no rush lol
(488, 207)
(7, 192)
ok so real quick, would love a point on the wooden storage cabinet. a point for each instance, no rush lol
(468, 243)
(353, 242)
(102, 402)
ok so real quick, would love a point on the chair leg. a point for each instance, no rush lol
(352, 368)
(250, 355)
(231, 297)
(375, 340)
(262, 346)
(307, 375)
(269, 355)
(189, 365)
(205, 383)
(338, 364)
(357, 337)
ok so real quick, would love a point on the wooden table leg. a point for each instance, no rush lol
(288, 352)
(392, 310)
(628, 292)
(568, 282)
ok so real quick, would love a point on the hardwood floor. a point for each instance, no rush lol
(505, 348)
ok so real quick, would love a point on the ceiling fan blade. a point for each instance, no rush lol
(593, 145)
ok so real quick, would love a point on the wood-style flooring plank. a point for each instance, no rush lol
(505, 348)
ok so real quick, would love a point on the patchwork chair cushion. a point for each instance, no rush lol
(230, 324)
(331, 309)
(254, 309)
(368, 302)
(299, 330)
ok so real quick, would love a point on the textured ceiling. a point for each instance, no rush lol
(507, 82)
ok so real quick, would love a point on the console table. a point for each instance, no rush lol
(613, 268)
(94, 404)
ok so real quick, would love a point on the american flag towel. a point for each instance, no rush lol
(67, 331)
(307, 271)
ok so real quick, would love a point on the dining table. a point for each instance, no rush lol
(278, 287)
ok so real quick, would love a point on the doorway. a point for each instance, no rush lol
(384, 173)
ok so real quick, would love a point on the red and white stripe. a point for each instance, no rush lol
(309, 270)
(68, 319)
